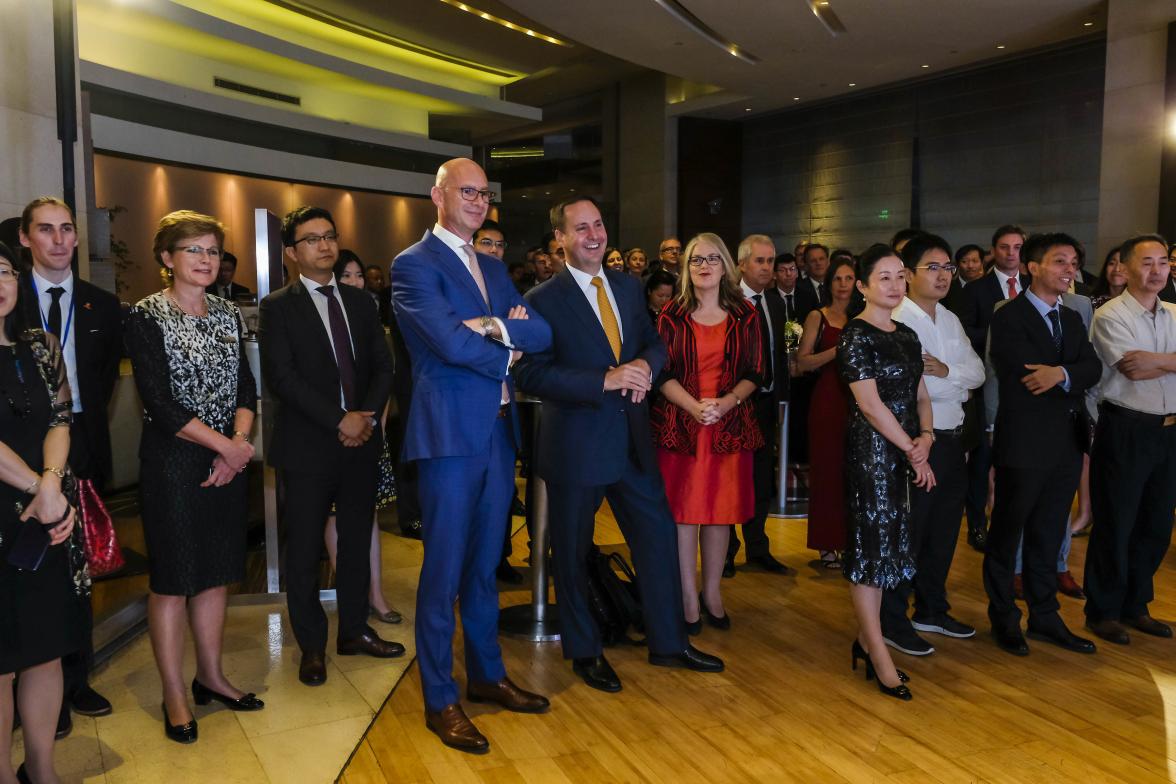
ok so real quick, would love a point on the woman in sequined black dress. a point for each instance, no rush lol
(888, 442)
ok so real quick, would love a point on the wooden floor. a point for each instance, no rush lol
(788, 708)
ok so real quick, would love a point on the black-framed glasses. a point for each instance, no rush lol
(488, 243)
(712, 260)
(314, 239)
(671, 250)
(935, 268)
(213, 254)
(472, 194)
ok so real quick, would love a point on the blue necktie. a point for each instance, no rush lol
(1055, 322)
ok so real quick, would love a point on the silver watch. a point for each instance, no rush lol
(487, 326)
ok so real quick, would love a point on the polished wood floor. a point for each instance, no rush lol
(788, 708)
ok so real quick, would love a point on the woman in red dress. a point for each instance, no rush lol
(828, 417)
(705, 436)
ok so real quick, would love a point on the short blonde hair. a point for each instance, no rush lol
(182, 225)
(730, 294)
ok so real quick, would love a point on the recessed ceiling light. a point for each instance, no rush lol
(797, 98)
(1000, 46)
(853, 84)
(505, 23)
(747, 109)
(1088, 24)
(924, 66)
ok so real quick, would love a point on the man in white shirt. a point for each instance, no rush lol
(951, 369)
(1133, 484)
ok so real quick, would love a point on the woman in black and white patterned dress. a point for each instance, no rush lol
(199, 399)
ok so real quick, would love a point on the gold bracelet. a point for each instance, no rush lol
(60, 472)
(237, 433)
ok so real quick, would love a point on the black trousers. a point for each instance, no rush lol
(351, 485)
(75, 667)
(639, 502)
(979, 462)
(935, 529)
(763, 473)
(1036, 502)
(1132, 495)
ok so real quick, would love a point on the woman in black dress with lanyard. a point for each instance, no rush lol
(889, 439)
(39, 604)
(198, 398)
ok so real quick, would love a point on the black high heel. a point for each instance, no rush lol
(180, 733)
(722, 622)
(22, 775)
(204, 695)
(858, 652)
(693, 628)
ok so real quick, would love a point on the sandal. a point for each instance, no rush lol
(830, 559)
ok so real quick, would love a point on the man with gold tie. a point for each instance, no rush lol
(595, 442)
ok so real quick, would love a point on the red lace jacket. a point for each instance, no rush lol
(673, 428)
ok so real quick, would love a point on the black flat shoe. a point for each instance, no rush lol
(694, 628)
(88, 702)
(729, 568)
(204, 695)
(722, 622)
(858, 652)
(597, 673)
(183, 733)
(64, 723)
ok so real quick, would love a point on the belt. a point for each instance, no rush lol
(1156, 420)
(503, 410)
(955, 432)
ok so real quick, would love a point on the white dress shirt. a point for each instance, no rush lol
(749, 293)
(944, 338)
(1123, 325)
(584, 281)
(1004, 279)
(68, 349)
(320, 304)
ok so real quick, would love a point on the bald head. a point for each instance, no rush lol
(461, 197)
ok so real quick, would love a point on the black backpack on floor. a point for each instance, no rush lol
(615, 601)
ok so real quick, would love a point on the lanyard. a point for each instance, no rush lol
(45, 321)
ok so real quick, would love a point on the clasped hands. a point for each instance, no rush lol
(634, 379)
(917, 455)
(229, 461)
(50, 507)
(709, 410)
(1043, 378)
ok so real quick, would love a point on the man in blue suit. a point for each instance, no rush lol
(595, 442)
(464, 324)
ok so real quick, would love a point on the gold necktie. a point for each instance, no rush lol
(608, 319)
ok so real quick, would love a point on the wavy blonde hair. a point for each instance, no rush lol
(730, 295)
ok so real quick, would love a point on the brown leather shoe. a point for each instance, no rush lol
(313, 669)
(1149, 625)
(1018, 587)
(455, 729)
(1109, 630)
(508, 695)
(369, 644)
(1068, 586)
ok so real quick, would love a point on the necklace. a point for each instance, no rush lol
(171, 295)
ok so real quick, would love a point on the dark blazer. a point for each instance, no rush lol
(975, 307)
(98, 344)
(1027, 424)
(806, 299)
(1168, 292)
(457, 374)
(586, 435)
(235, 290)
(299, 370)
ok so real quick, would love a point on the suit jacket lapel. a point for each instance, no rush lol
(309, 313)
(579, 306)
(449, 262)
(1038, 328)
(85, 320)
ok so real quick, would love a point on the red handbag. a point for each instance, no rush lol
(102, 551)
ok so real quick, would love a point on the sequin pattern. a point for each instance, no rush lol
(877, 475)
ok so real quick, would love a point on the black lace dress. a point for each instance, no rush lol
(877, 475)
(39, 610)
(189, 367)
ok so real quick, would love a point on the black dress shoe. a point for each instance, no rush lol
(64, 723)
(691, 659)
(769, 564)
(517, 508)
(1149, 625)
(1109, 630)
(1062, 637)
(978, 540)
(369, 644)
(87, 702)
(508, 574)
(180, 733)
(313, 669)
(411, 529)
(722, 622)
(597, 673)
(1011, 640)
(204, 695)
(729, 568)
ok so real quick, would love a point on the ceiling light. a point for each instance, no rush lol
(1088, 24)
(827, 17)
(469, 9)
(683, 15)
(1000, 46)
(853, 84)
(747, 110)
(796, 98)
(924, 66)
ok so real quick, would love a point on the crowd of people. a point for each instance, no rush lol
(925, 386)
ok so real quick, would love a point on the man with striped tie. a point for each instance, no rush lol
(595, 442)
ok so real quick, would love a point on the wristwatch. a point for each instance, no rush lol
(487, 325)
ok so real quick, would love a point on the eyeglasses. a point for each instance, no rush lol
(713, 260)
(314, 239)
(472, 194)
(8, 275)
(934, 268)
(670, 249)
(486, 242)
(213, 254)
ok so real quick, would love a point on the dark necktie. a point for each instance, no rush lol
(342, 343)
(765, 339)
(1055, 323)
(55, 310)
(788, 307)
